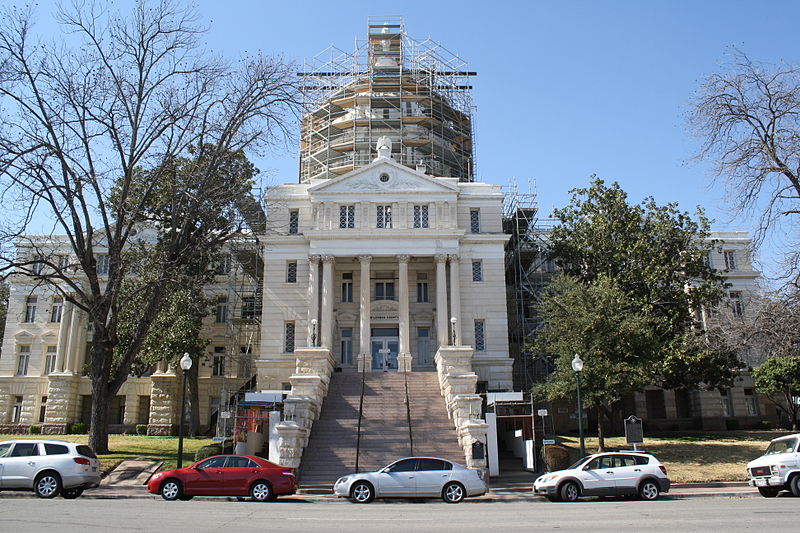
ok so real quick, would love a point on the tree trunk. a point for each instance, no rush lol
(601, 436)
(98, 426)
(194, 400)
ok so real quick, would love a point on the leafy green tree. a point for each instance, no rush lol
(778, 378)
(634, 276)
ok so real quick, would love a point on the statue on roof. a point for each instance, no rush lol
(384, 147)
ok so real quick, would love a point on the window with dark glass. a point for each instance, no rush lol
(294, 221)
(384, 290)
(288, 337)
(56, 309)
(347, 216)
(384, 216)
(221, 311)
(30, 308)
(347, 346)
(103, 263)
(480, 336)
(347, 287)
(218, 362)
(291, 272)
(474, 220)
(420, 216)
(477, 271)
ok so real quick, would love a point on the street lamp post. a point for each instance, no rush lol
(314, 332)
(453, 321)
(186, 365)
(577, 367)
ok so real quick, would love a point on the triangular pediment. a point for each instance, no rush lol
(385, 176)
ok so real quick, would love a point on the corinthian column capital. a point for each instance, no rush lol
(403, 258)
(365, 258)
(328, 258)
(440, 258)
(313, 258)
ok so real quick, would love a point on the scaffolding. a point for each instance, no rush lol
(415, 92)
(528, 269)
(244, 266)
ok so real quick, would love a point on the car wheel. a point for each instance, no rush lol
(71, 494)
(261, 491)
(362, 492)
(47, 485)
(648, 490)
(569, 492)
(171, 490)
(453, 492)
(768, 492)
(794, 485)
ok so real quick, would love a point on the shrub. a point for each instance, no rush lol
(78, 428)
(141, 429)
(35, 430)
(765, 425)
(208, 451)
(732, 424)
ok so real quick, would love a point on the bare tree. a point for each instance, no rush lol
(749, 119)
(90, 131)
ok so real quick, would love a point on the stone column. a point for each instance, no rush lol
(404, 357)
(455, 297)
(77, 341)
(442, 320)
(164, 409)
(63, 336)
(365, 332)
(326, 325)
(131, 409)
(313, 295)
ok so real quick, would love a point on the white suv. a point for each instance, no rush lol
(778, 469)
(606, 474)
(48, 467)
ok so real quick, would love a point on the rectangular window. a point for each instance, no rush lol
(422, 292)
(63, 262)
(656, 407)
(223, 267)
(384, 216)
(24, 360)
(384, 290)
(294, 221)
(50, 360)
(16, 410)
(56, 309)
(291, 272)
(474, 220)
(38, 265)
(218, 363)
(245, 356)
(730, 260)
(42, 409)
(751, 401)
(421, 216)
(347, 346)
(683, 403)
(424, 346)
(347, 287)
(103, 263)
(288, 337)
(736, 303)
(347, 216)
(480, 336)
(30, 308)
(727, 402)
(249, 308)
(221, 312)
(477, 271)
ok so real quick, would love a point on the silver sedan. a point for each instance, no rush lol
(413, 477)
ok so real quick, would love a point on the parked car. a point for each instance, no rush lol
(778, 469)
(413, 477)
(606, 474)
(225, 475)
(48, 467)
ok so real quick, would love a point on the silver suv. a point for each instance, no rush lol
(606, 474)
(48, 467)
(778, 469)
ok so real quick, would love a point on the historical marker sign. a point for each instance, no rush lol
(633, 430)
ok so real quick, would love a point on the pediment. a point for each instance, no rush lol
(23, 334)
(385, 176)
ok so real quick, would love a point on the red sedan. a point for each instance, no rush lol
(225, 475)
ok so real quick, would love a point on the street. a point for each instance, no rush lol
(297, 515)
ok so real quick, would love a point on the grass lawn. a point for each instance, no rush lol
(694, 456)
(132, 446)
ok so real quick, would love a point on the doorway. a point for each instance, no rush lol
(385, 345)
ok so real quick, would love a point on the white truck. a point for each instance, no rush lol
(778, 469)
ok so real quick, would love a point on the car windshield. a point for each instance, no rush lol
(578, 463)
(781, 446)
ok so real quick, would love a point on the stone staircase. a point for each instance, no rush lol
(385, 435)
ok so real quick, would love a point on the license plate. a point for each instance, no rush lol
(761, 483)
(94, 469)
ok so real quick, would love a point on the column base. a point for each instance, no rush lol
(162, 430)
(55, 429)
(404, 362)
(364, 362)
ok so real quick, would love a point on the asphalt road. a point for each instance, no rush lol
(297, 515)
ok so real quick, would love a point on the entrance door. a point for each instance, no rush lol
(384, 354)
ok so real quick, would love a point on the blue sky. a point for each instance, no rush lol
(564, 88)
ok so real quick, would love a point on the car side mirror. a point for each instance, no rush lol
(385, 471)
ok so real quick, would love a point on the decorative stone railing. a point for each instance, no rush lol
(303, 404)
(457, 383)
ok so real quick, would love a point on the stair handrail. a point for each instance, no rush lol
(360, 413)
(408, 415)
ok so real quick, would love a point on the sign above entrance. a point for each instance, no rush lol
(385, 311)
